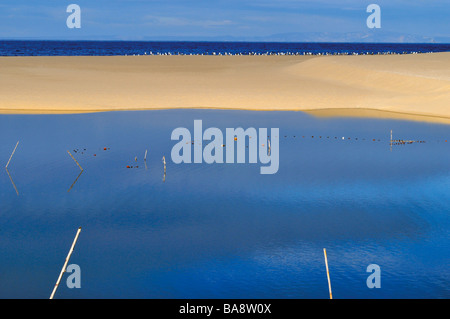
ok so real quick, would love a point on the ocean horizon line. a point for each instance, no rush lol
(222, 41)
(116, 47)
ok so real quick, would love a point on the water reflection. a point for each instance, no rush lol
(12, 182)
(223, 230)
(76, 179)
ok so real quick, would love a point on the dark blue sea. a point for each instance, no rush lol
(100, 48)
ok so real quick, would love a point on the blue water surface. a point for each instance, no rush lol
(223, 230)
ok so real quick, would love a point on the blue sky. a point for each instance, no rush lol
(253, 20)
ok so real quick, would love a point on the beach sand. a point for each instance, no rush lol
(413, 86)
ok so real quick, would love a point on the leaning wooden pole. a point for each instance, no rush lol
(12, 154)
(65, 263)
(328, 273)
(76, 161)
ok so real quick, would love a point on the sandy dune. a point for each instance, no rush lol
(342, 85)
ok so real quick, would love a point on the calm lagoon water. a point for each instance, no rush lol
(223, 230)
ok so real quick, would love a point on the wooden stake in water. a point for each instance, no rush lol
(65, 263)
(12, 154)
(76, 161)
(328, 273)
(164, 161)
(390, 143)
(145, 155)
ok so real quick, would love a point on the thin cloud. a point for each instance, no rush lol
(150, 20)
